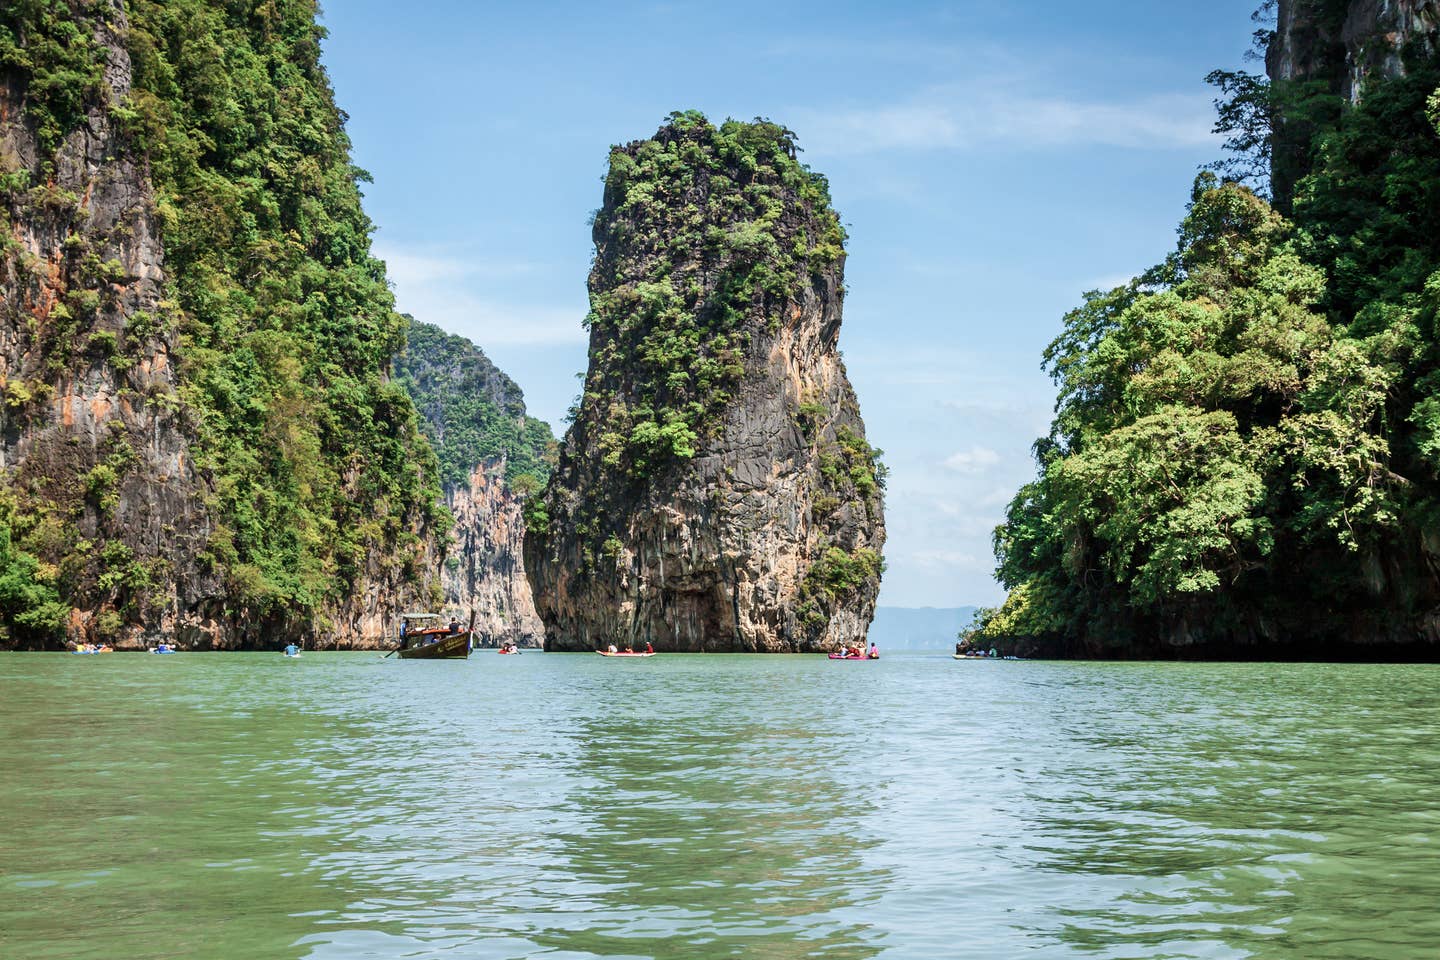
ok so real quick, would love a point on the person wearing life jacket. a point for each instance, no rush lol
(649, 647)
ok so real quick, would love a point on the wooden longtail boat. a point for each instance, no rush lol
(438, 644)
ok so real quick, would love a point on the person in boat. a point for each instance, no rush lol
(454, 624)
(649, 647)
(874, 651)
(612, 649)
(291, 650)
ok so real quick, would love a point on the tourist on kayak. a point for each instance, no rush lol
(613, 649)
(649, 648)
(874, 651)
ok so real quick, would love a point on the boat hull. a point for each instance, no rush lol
(451, 646)
(629, 656)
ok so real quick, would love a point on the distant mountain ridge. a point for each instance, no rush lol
(918, 628)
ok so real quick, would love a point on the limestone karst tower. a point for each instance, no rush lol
(715, 491)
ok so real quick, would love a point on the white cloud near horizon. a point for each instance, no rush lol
(959, 118)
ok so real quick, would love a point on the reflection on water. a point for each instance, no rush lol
(573, 807)
(1234, 811)
(697, 830)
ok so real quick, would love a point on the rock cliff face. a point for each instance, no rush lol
(96, 448)
(1339, 48)
(491, 456)
(133, 487)
(715, 492)
(484, 574)
(1346, 44)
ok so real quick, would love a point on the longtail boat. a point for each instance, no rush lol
(433, 644)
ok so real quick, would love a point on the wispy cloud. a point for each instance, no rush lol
(451, 292)
(974, 460)
(960, 118)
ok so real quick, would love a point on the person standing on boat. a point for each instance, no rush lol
(454, 624)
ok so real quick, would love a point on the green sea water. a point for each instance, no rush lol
(568, 806)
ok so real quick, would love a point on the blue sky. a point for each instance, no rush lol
(991, 162)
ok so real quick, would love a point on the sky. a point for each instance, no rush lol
(991, 162)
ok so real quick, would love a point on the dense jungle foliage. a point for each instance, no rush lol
(1246, 443)
(470, 411)
(283, 321)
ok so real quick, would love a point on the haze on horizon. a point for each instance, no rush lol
(989, 167)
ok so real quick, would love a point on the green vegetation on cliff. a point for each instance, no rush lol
(1246, 445)
(695, 236)
(470, 411)
(284, 326)
(288, 327)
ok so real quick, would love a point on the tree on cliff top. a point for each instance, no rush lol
(1212, 433)
(1247, 441)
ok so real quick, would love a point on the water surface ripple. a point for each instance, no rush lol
(569, 807)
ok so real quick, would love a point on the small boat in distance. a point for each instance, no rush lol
(431, 642)
(626, 653)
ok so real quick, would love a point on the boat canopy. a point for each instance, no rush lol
(421, 616)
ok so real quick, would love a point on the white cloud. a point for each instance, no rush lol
(975, 460)
(450, 292)
(961, 118)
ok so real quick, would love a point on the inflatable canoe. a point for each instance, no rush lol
(841, 656)
(607, 653)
